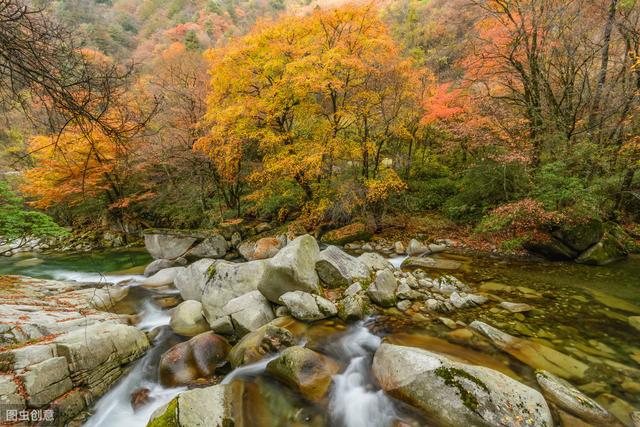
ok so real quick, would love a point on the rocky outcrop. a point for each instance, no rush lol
(196, 359)
(292, 269)
(308, 307)
(58, 350)
(306, 371)
(169, 244)
(192, 280)
(536, 355)
(383, 290)
(456, 394)
(216, 406)
(375, 261)
(347, 234)
(187, 319)
(337, 268)
(211, 247)
(228, 281)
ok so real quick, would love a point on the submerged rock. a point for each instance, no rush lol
(383, 290)
(570, 399)
(305, 370)
(187, 319)
(337, 268)
(456, 394)
(308, 307)
(536, 355)
(515, 307)
(189, 361)
(292, 269)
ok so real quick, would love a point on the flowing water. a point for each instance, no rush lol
(579, 310)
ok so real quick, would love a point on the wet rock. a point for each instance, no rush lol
(308, 307)
(452, 393)
(140, 397)
(352, 308)
(416, 248)
(305, 370)
(270, 338)
(282, 311)
(192, 281)
(536, 355)
(162, 278)
(347, 234)
(248, 312)
(187, 319)
(337, 268)
(168, 245)
(198, 358)
(515, 307)
(621, 409)
(227, 281)
(383, 290)
(216, 406)
(570, 399)
(604, 252)
(375, 261)
(431, 263)
(211, 247)
(292, 269)
(161, 264)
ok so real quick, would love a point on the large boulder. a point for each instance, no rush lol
(162, 278)
(168, 244)
(416, 248)
(211, 247)
(581, 236)
(550, 248)
(216, 406)
(352, 308)
(268, 339)
(192, 280)
(347, 234)
(228, 281)
(572, 400)
(383, 290)
(604, 252)
(456, 394)
(337, 268)
(308, 307)
(306, 371)
(160, 264)
(375, 261)
(292, 269)
(248, 312)
(536, 355)
(193, 360)
(187, 319)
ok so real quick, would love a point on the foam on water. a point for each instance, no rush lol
(87, 277)
(397, 261)
(152, 317)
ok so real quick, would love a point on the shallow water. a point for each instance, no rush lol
(579, 310)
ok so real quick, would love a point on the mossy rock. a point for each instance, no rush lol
(168, 418)
(606, 251)
(582, 236)
(550, 248)
(347, 234)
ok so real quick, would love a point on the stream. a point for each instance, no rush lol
(581, 315)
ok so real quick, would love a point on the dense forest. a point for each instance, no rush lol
(507, 117)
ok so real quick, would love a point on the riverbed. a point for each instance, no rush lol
(579, 310)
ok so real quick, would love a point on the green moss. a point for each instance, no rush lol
(6, 361)
(450, 377)
(169, 417)
(211, 271)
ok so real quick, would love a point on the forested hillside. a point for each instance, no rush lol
(510, 118)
